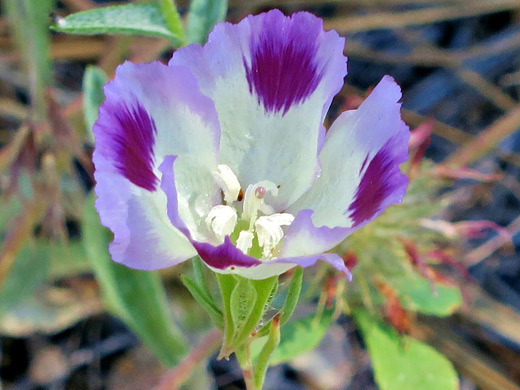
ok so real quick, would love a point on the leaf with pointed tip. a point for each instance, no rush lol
(129, 19)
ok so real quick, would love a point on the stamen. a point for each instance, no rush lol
(222, 220)
(270, 232)
(245, 241)
(228, 183)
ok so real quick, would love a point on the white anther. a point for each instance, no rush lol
(245, 241)
(253, 203)
(269, 231)
(222, 220)
(228, 183)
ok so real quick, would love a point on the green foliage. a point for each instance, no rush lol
(382, 256)
(93, 96)
(203, 15)
(28, 272)
(172, 17)
(297, 337)
(417, 294)
(204, 300)
(273, 340)
(137, 297)
(29, 21)
(290, 303)
(244, 304)
(131, 19)
(404, 363)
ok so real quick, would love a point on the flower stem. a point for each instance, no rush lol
(243, 355)
(178, 375)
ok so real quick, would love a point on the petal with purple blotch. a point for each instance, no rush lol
(360, 160)
(272, 78)
(150, 111)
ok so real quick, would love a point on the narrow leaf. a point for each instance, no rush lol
(137, 297)
(93, 96)
(203, 15)
(200, 278)
(173, 19)
(226, 284)
(206, 302)
(131, 19)
(293, 295)
(29, 21)
(404, 363)
(273, 340)
(290, 303)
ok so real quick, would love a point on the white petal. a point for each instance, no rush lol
(272, 79)
(360, 160)
(144, 238)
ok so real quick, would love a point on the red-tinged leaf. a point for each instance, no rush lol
(447, 259)
(394, 310)
(418, 262)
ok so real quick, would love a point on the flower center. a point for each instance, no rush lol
(258, 231)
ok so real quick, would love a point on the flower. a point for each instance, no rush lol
(223, 152)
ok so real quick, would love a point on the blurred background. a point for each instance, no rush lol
(458, 62)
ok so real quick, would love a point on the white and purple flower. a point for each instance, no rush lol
(223, 152)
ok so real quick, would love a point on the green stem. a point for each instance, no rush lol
(243, 355)
(268, 348)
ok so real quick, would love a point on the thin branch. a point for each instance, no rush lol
(178, 375)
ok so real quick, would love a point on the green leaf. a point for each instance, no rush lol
(200, 277)
(203, 15)
(137, 297)
(417, 294)
(264, 289)
(27, 273)
(297, 337)
(93, 96)
(65, 259)
(29, 21)
(204, 300)
(235, 309)
(242, 302)
(226, 284)
(131, 19)
(293, 295)
(290, 303)
(404, 363)
(173, 19)
(273, 340)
